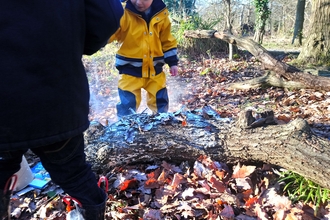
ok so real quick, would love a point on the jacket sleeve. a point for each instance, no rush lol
(115, 36)
(102, 20)
(169, 44)
(123, 25)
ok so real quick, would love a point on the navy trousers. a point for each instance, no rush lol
(65, 161)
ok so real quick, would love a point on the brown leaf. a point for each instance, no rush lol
(295, 109)
(151, 183)
(244, 171)
(220, 174)
(227, 212)
(171, 167)
(152, 214)
(177, 180)
(218, 185)
(284, 118)
(162, 177)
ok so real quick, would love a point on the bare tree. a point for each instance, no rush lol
(229, 26)
(299, 23)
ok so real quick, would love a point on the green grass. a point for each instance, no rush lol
(299, 188)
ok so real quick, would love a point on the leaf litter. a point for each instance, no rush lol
(209, 189)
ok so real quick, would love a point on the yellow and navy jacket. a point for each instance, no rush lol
(146, 42)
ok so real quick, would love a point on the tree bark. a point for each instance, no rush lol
(229, 27)
(316, 49)
(262, 14)
(293, 76)
(184, 136)
(299, 22)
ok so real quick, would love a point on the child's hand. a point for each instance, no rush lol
(174, 70)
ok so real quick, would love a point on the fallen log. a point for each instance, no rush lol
(295, 78)
(185, 135)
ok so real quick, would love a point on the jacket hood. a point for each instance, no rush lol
(156, 6)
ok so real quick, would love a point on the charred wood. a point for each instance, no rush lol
(185, 135)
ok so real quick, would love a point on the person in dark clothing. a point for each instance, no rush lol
(44, 90)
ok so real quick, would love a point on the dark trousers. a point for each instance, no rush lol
(66, 164)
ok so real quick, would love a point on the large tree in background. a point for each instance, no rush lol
(316, 49)
(299, 23)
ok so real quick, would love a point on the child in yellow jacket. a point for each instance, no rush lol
(146, 44)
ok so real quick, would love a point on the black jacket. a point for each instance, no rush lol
(44, 92)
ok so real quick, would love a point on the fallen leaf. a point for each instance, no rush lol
(227, 212)
(284, 118)
(262, 215)
(189, 192)
(244, 171)
(152, 214)
(177, 180)
(220, 174)
(151, 183)
(251, 201)
(243, 183)
(127, 184)
(218, 185)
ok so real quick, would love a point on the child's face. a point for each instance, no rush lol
(141, 5)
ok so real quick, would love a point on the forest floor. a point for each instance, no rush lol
(169, 191)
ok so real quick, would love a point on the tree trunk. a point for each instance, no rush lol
(299, 23)
(293, 76)
(316, 49)
(184, 136)
(259, 35)
(262, 14)
(229, 27)
(241, 19)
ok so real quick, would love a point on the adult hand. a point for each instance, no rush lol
(174, 70)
